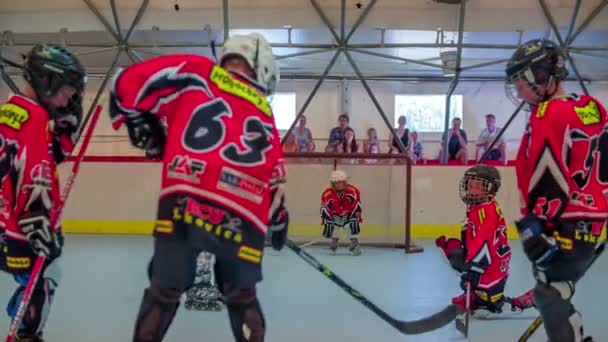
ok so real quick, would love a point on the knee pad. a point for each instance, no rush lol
(156, 314)
(38, 309)
(246, 317)
(562, 322)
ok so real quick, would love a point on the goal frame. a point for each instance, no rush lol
(404, 159)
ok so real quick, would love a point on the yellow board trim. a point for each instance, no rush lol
(302, 230)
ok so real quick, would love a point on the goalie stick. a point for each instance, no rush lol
(420, 326)
(539, 320)
(37, 269)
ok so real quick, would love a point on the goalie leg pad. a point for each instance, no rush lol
(246, 317)
(562, 322)
(158, 308)
(354, 228)
(328, 230)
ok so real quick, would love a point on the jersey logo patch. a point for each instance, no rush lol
(225, 82)
(242, 185)
(13, 115)
(589, 113)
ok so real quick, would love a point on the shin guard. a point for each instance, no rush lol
(562, 322)
(246, 317)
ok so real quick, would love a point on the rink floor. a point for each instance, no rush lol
(104, 277)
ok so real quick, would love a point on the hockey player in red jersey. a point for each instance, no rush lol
(222, 179)
(341, 208)
(482, 255)
(562, 177)
(37, 132)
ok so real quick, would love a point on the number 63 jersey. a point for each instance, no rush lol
(562, 163)
(222, 144)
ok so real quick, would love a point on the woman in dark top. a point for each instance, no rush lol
(404, 136)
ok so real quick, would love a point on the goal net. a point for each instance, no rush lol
(384, 181)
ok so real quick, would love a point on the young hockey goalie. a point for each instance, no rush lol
(341, 208)
(482, 256)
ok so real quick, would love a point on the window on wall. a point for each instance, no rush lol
(284, 109)
(426, 113)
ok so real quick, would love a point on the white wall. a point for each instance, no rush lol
(479, 99)
(323, 111)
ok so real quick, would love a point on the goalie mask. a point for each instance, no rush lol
(535, 63)
(338, 180)
(258, 53)
(479, 184)
(54, 73)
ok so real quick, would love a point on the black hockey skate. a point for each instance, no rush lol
(203, 296)
(28, 338)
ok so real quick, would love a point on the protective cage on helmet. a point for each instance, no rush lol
(256, 50)
(537, 61)
(48, 68)
(479, 184)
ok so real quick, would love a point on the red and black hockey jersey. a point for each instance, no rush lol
(562, 163)
(346, 204)
(486, 244)
(222, 143)
(30, 186)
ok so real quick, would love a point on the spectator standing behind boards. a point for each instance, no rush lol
(499, 151)
(372, 144)
(303, 137)
(336, 135)
(457, 143)
(417, 147)
(403, 134)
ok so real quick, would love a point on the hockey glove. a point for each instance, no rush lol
(472, 274)
(278, 229)
(42, 238)
(539, 248)
(146, 133)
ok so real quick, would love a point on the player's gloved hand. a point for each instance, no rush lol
(147, 133)
(539, 248)
(278, 228)
(472, 274)
(42, 238)
(447, 245)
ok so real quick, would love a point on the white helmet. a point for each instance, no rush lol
(256, 50)
(338, 176)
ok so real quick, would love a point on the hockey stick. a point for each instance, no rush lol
(539, 320)
(464, 327)
(310, 243)
(38, 265)
(420, 326)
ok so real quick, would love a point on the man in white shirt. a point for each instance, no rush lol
(486, 137)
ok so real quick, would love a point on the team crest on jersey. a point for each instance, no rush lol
(41, 182)
(186, 168)
(13, 116)
(589, 113)
(241, 184)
